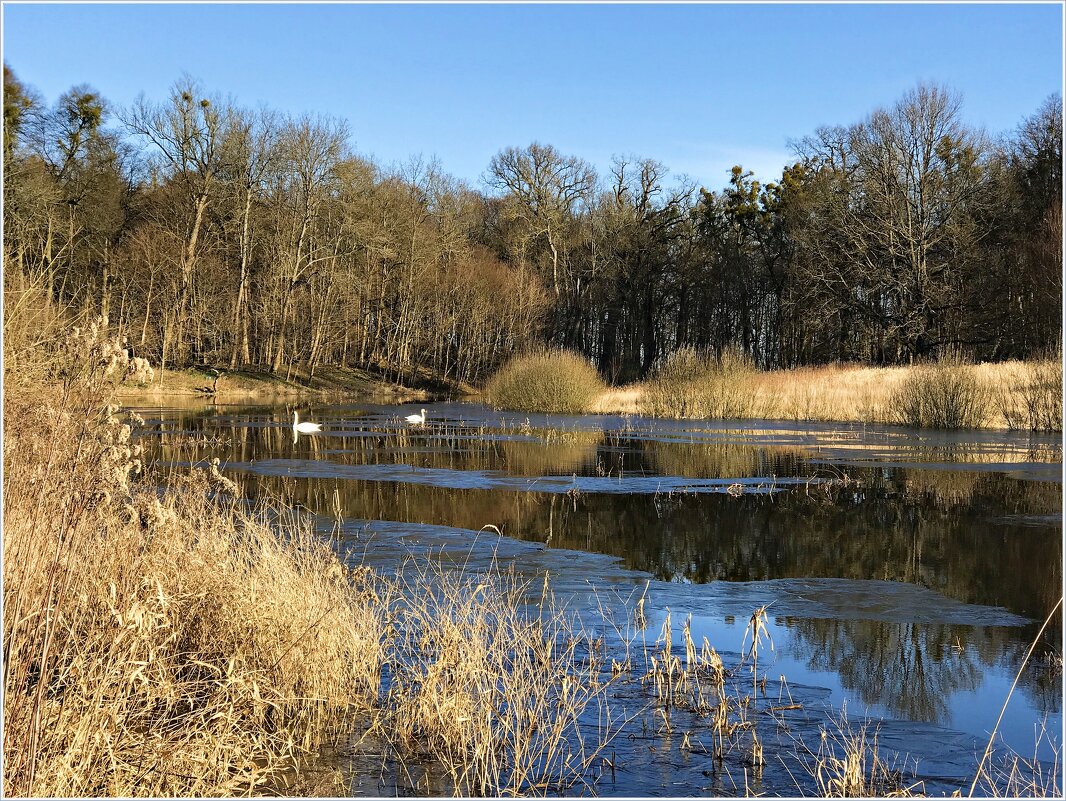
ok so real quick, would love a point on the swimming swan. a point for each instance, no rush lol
(417, 419)
(304, 428)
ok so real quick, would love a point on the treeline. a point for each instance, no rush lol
(212, 233)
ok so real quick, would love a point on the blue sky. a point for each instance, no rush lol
(698, 87)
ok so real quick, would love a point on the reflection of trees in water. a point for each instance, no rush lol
(940, 529)
(913, 669)
(910, 669)
(947, 530)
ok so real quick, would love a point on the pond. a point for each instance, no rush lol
(906, 572)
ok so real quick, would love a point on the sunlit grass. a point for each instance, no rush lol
(554, 381)
(1016, 395)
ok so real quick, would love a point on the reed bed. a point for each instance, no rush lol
(848, 764)
(180, 643)
(167, 644)
(946, 394)
(499, 696)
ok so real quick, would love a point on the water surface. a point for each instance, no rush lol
(906, 571)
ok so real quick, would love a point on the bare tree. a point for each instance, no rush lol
(187, 135)
(548, 189)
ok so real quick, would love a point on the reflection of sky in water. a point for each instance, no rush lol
(966, 527)
(946, 670)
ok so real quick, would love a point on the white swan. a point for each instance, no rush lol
(304, 428)
(417, 419)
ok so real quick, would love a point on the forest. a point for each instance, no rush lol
(209, 233)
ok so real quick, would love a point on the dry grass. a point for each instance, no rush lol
(496, 694)
(1028, 395)
(628, 399)
(166, 645)
(32, 323)
(553, 381)
(179, 643)
(848, 765)
(1008, 774)
(1019, 395)
(692, 383)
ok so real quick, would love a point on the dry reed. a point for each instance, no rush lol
(849, 765)
(163, 645)
(1019, 395)
(497, 692)
(693, 383)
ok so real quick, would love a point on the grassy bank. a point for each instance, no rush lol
(159, 644)
(254, 384)
(946, 394)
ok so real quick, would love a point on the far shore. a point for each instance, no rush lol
(1025, 395)
(831, 393)
(246, 384)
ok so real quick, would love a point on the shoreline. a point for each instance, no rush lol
(829, 394)
(191, 382)
(1003, 396)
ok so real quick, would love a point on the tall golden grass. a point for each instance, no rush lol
(949, 394)
(693, 383)
(496, 695)
(552, 381)
(162, 645)
(173, 641)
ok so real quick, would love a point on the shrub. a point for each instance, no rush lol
(554, 381)
(693, 383)
(1033, 399)
(1043, 396)
(944, 394)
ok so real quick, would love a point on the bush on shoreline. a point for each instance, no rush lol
(693, 383)
(944, 394)
(551, 381)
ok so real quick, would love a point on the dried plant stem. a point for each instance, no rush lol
(1006, 701)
